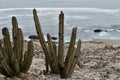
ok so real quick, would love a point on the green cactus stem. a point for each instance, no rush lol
(42, 39)
(28, 57)
(20, 45)
(75, 58)
(70, 52)
(7, 45)
(53, 56)
(61, 40)
(7, 69)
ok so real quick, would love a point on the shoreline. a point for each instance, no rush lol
(100, 60)
(98, 55)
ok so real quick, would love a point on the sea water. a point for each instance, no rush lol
(86, 15)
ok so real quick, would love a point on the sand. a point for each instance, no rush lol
(100, 60)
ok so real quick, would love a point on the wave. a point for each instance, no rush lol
(10, 16)
(54, 11)
(11, 9)
(103, 34)
(78, 17)
(82, 9)
(72, 14)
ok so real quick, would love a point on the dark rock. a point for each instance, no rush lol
(33, 37)
(97, 30)
(54, 38)
(109, 47)
(106, 30)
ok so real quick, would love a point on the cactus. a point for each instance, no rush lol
(13, 60)
(54, 58)
(61, 40)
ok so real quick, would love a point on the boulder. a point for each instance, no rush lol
(97, 30)
(54, 38)
(33, 37)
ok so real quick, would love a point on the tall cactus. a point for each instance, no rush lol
(61, 40)
(56, 58)
(13, 60)
(42, 40)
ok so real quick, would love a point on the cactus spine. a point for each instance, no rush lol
(13, 60)
(56, 58)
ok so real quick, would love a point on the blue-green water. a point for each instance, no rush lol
(87, 15)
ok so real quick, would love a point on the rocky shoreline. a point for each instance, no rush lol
(100, 60)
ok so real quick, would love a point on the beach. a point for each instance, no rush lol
(98, 26)
(99, 60)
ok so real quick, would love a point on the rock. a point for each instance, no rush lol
(109, 47)
(54, 38)
(33, 37)
(97, 30)
(113, 76)
(23, 76)
(116, 66)
(13, 78)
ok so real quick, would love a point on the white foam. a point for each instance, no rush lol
(82, 9)
(103, 34)
(94, 10)
(118, 30)
(10, 16)
(87, 30)
(79, 17)
(110, 29)
(10, 9)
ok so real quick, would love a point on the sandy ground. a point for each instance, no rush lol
(100, 60)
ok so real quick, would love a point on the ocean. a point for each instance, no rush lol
(86, 15)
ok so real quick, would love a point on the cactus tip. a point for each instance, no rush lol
(34, 10)
(75, 28)
(13, 18)
(61, 12)
(4, 30)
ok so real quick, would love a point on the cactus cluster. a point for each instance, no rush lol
(13, 58)
(54, 56)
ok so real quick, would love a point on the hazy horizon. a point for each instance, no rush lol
(108, 4)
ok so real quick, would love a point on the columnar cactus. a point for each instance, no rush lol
(13, 59)
(55, 59)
